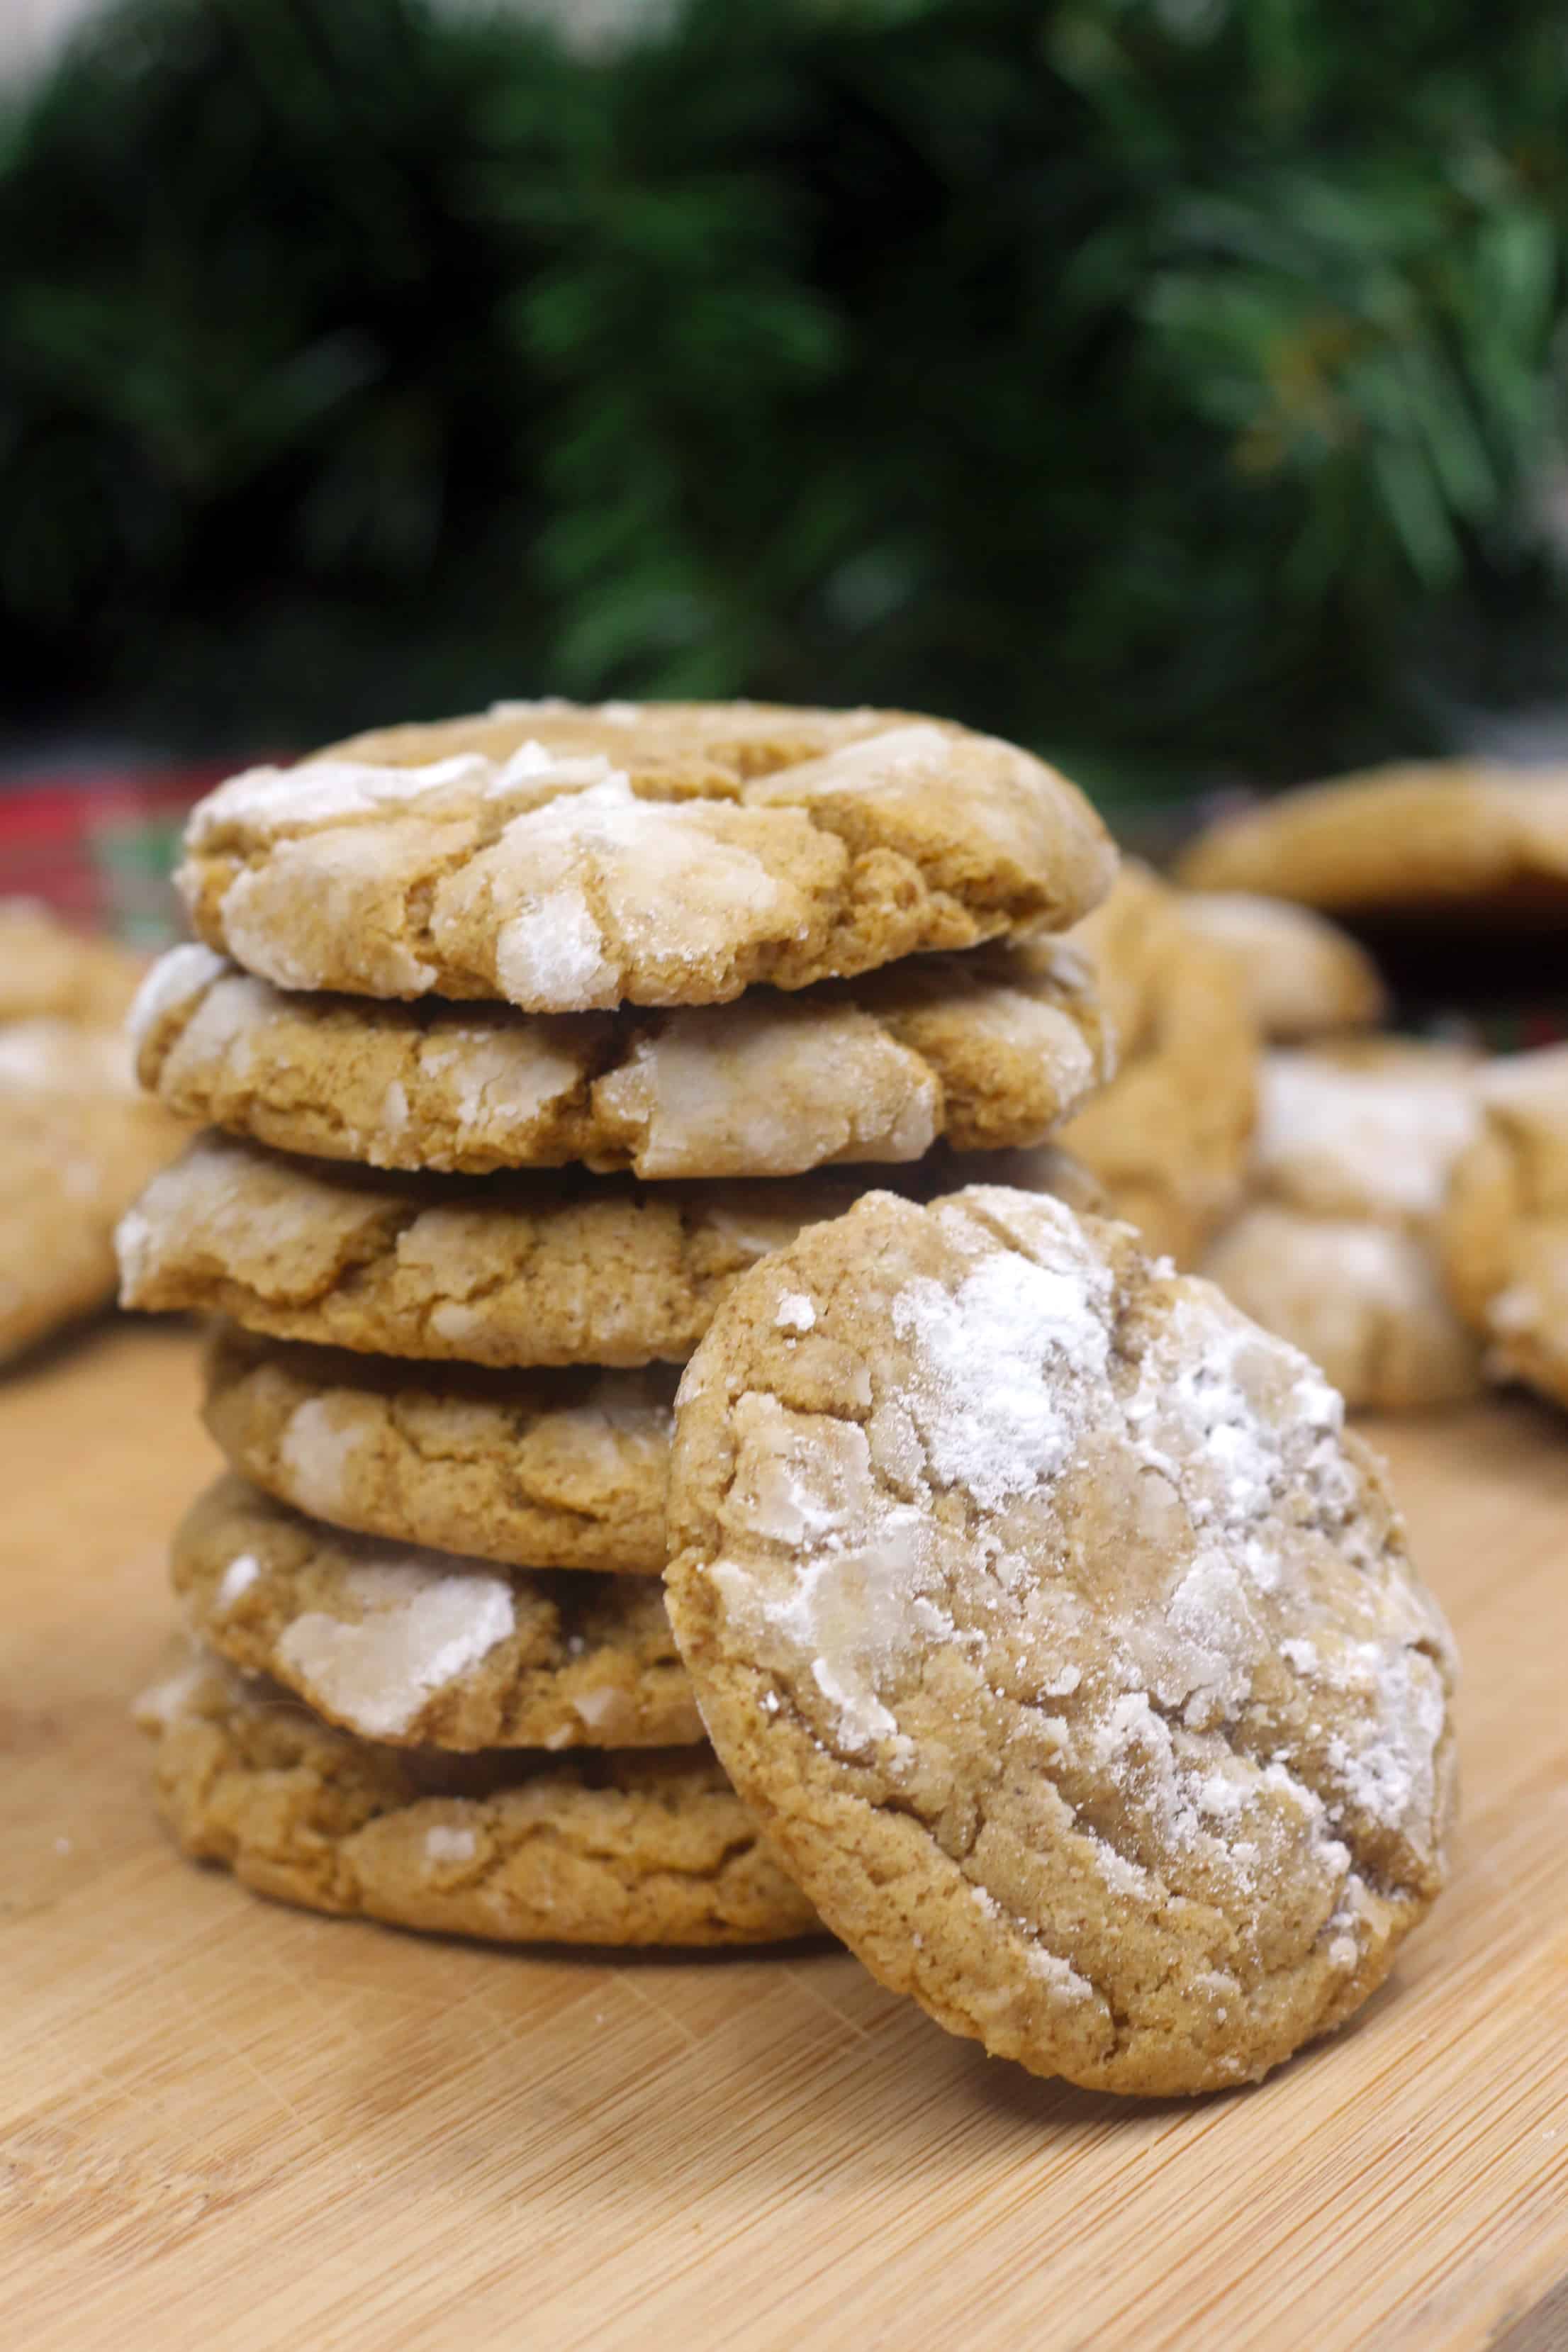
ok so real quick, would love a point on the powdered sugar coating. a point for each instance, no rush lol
(1374, 1139)
(574, 859)
(1021, 1599)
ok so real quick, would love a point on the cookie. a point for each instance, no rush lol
(1449, 836)
(675, 855)
(1364, 1301)
(49, 971)
(498, 1270)
(422, 1648)
(1504, 1234)
(1300, 974)
(991, 1049)
(1168, 1136)
(1335, 1250)
(77, 1145)
(1059, 1639)
(554, 1469)
(649, 1846)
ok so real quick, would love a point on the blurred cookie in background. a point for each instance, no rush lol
(1505, 1231)
(1302, 976)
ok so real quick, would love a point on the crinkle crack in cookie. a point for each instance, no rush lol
(77, 1145)
(649, 1846)
(571, 860)
(425, 1648)
(988, 1050)
(1447, 837)
(1336, 1251)
(543, 1469)
(1300, 974)
(1168, 1138)
(1062, 1642)
(1505, 1231)
(501, 1271)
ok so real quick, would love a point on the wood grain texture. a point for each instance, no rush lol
(226, 2125)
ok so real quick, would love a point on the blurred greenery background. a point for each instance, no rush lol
(1177, 385)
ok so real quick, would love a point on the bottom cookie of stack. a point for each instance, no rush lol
(616, 1847)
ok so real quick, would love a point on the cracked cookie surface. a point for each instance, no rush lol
(640, 1847)
(1168, 1138)
(1061, 1641)
(1336, 1249)
(1301, 975)
(1504, 1234)
(990, 1050)
(565, 1468)
(525, 1269)
(1442, 836)
(424, 1648)
(567, 860)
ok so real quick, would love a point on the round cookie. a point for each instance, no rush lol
(1064, 1645)
(1363, 1299)
(1449, 836)
(501, 1270)
(557, 1469)
(47, 970)
(76, 1146)
(569, 860)
(991, 1049)
(1504, 1236)
(422, 1648)
(1335, 1251)
(650, 1847)
(1168, 1136)
(1300, 974)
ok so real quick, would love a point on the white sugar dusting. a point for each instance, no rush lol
(178, 976)
(795, 1312)
(445, 1844)
(237, 1578)
(315, 1448)
(420, 1628)
(321, 792)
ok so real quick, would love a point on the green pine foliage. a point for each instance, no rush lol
(1170, 382)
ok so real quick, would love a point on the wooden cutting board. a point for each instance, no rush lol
(223, 2124)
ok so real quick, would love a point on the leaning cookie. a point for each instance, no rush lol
(1301, 976)
(644, 1847)
(1451, 837)
(1063, 1643)
(1504, 1234)
(427, 1648)
(988, 1050)
(532, 1469)
(504, 1271)
(568, 860)
(1168, 1138)
(78, 1144)
(49, 971)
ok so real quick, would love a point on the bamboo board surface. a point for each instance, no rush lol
(226, 2125)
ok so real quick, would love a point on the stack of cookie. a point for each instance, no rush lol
(521, 1039)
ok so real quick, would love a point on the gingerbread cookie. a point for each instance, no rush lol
(554, 1469)
(1300, 974)
(424, 1648)
(1060, 1640)
(1335, 1250)
(569, 861)
(989, 1049)
(1168, 1138)
(1504, 1236)
(1446, 837)
(503, 1271)
(49, 971)
(77, 1145)
(649, 1846)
